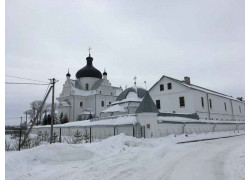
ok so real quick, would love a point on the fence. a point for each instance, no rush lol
(88, 133)
(100, 132)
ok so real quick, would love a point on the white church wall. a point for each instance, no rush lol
(87, 80)
(99, 98)
(76, 108)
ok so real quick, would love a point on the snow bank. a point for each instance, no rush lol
(118, 157)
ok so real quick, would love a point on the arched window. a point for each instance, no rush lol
(87, 86)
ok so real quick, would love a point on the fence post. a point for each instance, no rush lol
(144, 131)
(20, 136)
(114, 130)
(133, 131)
(60, 137)
(89, 134)
(184, 128)
(141, 131)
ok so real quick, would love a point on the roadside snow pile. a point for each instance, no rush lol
(118, 157)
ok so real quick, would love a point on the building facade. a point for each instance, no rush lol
(175, 96)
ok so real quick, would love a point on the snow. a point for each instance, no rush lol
(189, 120)
(117, 120)
(64, 104)
(81, 92)
(128, 99)
(124, 157)
(115, 108)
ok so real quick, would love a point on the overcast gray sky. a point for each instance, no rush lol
(201, 39)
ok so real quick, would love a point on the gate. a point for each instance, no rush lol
(138, 130)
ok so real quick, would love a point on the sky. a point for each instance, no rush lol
(204, 40)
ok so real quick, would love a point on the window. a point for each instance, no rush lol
(202, 101)
(240, 109)
(182, 101)
(80, 104)
(210, 103)
(225, 104)
(102, 103)
(162, 87)
(148, 126)
(87, 86)
(169, 86)
(100, 92)
(158, 104)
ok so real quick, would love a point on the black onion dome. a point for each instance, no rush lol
(140, 93)
(68, 75)
(89, 70)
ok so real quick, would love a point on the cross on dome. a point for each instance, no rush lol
(89, 50)
(135, 80)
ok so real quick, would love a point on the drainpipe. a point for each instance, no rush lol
(73, 108)
(214, 127)
(232, 108)
(208, 108)
(95, 105)
(128, 107)
(183, 128)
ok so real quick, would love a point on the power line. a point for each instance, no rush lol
(25, 78)
(25, 83)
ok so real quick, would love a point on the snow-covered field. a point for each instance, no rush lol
(124, 157)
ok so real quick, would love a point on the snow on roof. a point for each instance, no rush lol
(87, 111)
(189, 120)
(115, 108)
(64, 104)
(192, 86)
(108, 121)
(80, 92)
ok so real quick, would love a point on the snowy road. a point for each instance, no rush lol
(123, 157)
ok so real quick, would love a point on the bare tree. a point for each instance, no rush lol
(34, 107)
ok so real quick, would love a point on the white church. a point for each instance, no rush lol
(87, 95)
(170, 106)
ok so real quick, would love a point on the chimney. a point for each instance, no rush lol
(187, 80)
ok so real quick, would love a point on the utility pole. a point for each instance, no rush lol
(20, 135)
(52, 110)
(35, 118)
(26, 119)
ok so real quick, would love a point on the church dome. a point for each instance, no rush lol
(129, 92)
(89, 70)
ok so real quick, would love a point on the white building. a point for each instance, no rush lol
(88, 95)
(175, 96)
(126, 103)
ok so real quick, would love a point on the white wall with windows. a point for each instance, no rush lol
(172, 97)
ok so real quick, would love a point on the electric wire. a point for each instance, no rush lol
(25, 83)
(25, 78)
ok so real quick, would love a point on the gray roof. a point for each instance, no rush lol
(97, 84)
(147, 105)
(77, 84)
(140, 92)
(191, 116)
